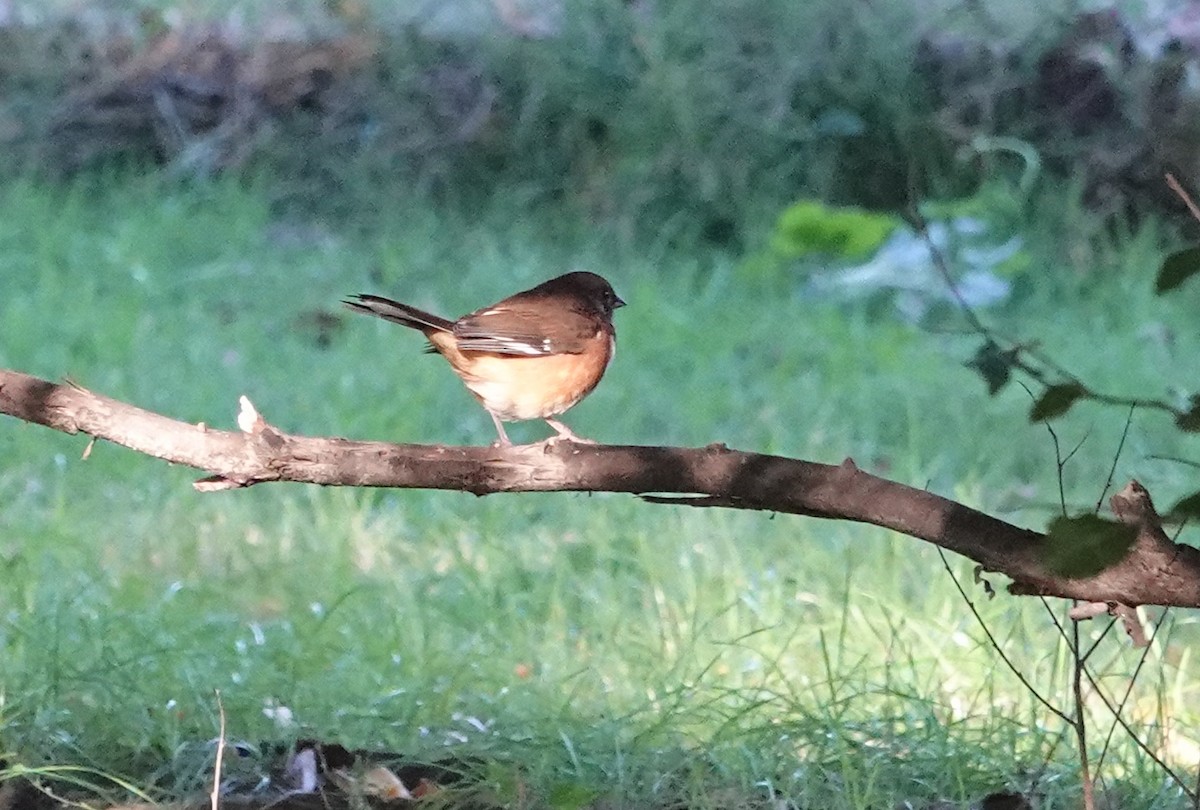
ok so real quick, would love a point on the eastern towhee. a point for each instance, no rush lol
(531, 356)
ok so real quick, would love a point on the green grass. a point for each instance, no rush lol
(608, 648)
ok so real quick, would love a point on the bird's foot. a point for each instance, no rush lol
(565, 434)
(503, 441)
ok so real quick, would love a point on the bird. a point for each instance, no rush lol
(533, 355)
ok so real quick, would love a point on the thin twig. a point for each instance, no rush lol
(1112, 471)
(1138, 741)
(921, 226)
(1136, 402)
(1175, 459)
(1103, 633)
(1129, 687)
(1078, 665)
(1062, 631)
(1078, 446)
(1060, 463)
(1086, 391)
(1196, 793)
(1174, 185)
(1029, 687)
(1078, 670)
(215, 796)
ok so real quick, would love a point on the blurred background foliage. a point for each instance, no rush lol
(681, 120)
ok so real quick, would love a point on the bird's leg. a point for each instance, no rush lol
(565, 433)
(504, 440)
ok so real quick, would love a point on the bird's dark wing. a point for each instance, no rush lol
(518, 330)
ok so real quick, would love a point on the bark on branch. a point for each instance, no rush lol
(1156, 570)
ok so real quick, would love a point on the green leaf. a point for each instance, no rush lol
(1083, 546)
(1176, 269)
(1187, 509)
(1189, 420)
(1056, 400)
(994, 365)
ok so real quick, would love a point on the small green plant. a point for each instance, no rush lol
(812, 230)
(811, 227)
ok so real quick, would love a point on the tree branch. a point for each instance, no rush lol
(1156, 571)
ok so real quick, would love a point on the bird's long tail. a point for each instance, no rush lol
(399, 313)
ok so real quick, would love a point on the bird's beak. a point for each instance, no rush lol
(617, 302)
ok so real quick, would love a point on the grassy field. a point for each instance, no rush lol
(590, 648)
